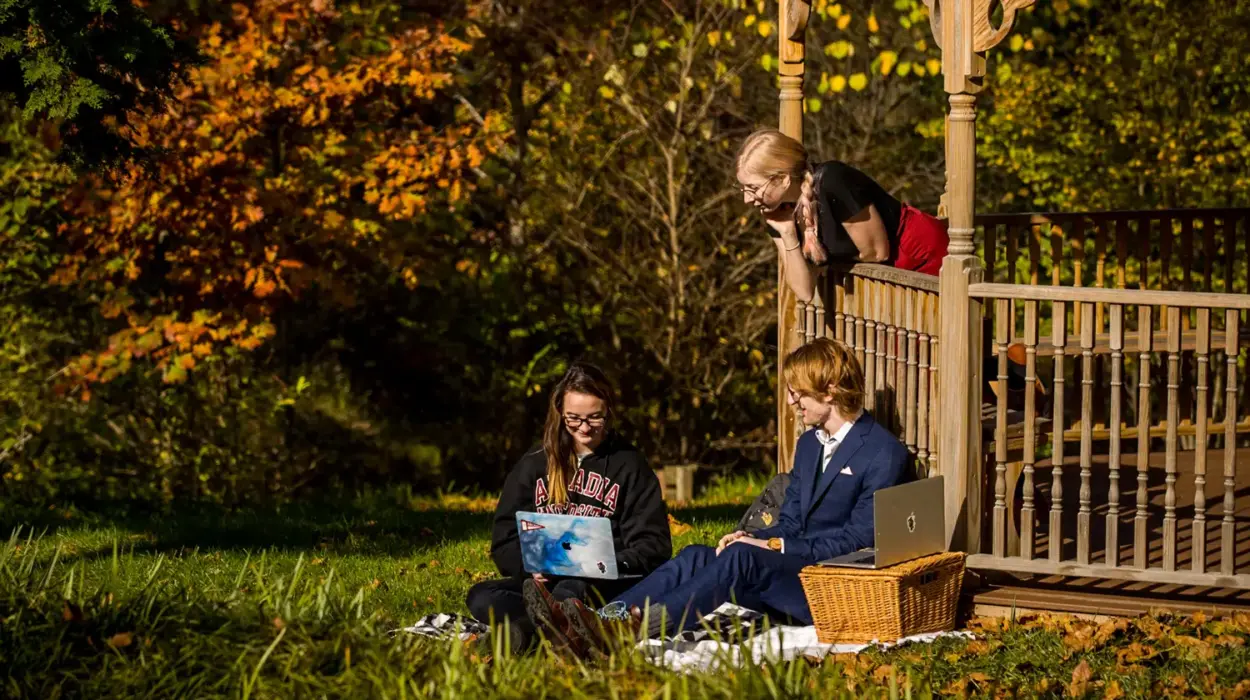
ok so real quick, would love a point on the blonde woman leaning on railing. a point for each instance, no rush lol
(831, 212)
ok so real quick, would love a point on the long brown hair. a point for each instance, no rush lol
(770, 153)
(583, 378)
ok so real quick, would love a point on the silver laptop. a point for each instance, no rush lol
(909, 521)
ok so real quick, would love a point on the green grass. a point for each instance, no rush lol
(298, 603)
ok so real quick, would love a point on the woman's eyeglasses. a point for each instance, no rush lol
(754, 190)
(576, 422)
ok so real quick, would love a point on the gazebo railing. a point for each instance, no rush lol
(1124, 504)
(1200, 250)
(889, 317)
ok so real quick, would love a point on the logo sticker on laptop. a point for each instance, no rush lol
(911, 523)
(528, 525)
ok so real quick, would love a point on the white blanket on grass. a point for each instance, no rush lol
(750, 640)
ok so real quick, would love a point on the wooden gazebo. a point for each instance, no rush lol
(1094, 497)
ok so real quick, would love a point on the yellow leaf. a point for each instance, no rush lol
(844, 21)
(858, 82)
(121, 639)
(750, 19)
(888, 59)
(713, 38)
(872, 23)
(1017, 42)
(765, 28)
(934, 66)
(607, 92)
(838, 83)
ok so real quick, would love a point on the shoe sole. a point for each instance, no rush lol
(540, 607)
(593, 640)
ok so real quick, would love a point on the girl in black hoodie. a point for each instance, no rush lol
(583, 468)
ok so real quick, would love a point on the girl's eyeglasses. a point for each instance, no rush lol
(576, 422)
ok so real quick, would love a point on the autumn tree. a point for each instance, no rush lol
(305, 150)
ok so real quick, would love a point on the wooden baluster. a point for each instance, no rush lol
(934, 385)
(821, 331)
(1012, 234)
(1087, 432)
(873, 299)
(891, 386)
(883, 318)
(1230, 252)
(1208, 251)
(1056, 254)
(1027, 545)
(1117, 390)
(1100, 267)
(991, 253)
(913, 352)
(1173, 418)
(922, 383)
(1228, 545)
(1035, 254)
(1121, 252)
(809, 327)
(800, 320)
(1076, 241)
(1187, 253)
(1165, 258)
(1059, 336)
(900, 370)
(1203, 349)
(839, 308)
(858, 299)
(1145, 336)
(856, 333)
(1002, 335)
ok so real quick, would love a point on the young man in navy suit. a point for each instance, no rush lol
(827, 512)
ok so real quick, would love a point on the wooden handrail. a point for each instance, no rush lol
(1099, 295)
(893, 275)
(1061, 217)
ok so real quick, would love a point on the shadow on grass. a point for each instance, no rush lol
(342, 528)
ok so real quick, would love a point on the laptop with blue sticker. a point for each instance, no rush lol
(567, 545)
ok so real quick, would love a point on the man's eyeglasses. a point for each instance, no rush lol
(576, 422)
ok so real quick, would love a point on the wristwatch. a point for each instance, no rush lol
(774, 543)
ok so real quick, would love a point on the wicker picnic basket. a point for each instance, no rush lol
(864, 605)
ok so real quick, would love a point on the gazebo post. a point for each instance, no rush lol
(963, 31)
(792, 26)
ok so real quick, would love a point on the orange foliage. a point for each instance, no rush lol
(291, 157)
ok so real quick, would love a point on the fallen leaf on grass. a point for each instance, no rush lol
(1080, 680)
(317, 561)
(1112, 691)
(121, 639)
(71, 613)
(278, 623)
(676, 527)
(1134, 653)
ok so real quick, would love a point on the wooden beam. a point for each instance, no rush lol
(792, 22)
(1120, 573)
(1140, 297)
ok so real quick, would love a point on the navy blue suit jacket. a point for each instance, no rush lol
(829, 517)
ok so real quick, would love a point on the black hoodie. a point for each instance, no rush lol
(613, 482)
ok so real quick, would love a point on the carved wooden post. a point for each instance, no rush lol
(963, 31)
(790, 52)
